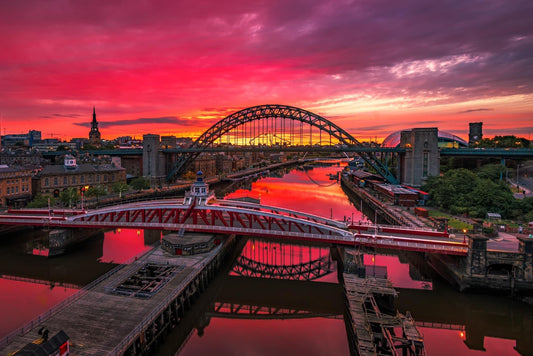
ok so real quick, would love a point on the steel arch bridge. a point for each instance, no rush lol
(275, 125)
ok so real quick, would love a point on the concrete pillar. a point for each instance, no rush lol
(422, 156)
(525, 246)
(151, 148)
(477, 255)
(151, 236)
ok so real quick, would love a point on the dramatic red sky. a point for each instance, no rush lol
(178, 66)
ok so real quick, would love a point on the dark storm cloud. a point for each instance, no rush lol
(70, 116)
(473, 110)
(142, 121)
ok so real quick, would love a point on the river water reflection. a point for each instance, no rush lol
(244, 313)
(452, 322)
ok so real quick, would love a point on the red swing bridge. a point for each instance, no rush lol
(200, 211)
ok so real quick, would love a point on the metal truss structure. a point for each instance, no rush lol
(277, 125)
(240, 218)
(260, 312)
(303, 271)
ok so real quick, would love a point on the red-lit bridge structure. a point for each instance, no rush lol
(240, 218)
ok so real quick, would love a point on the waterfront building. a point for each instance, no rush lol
(53, 179)
(15, 185)
(206, 163)
(168, 142)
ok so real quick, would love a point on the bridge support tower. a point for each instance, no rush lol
(525, 247)
(421, 158)
(153, 160)
(477, 255)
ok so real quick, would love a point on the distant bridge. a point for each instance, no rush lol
(280, 126)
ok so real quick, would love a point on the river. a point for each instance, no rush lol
(298, 312)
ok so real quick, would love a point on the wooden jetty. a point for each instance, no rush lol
(126, 313)
(371, 330)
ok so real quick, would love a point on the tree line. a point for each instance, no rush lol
(476, 193)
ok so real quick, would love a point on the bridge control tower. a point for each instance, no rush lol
(199, 193)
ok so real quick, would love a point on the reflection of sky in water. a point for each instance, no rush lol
(122, 244)
(442, 342)
(311, 198)
(397, 272)
(21, 301)
(315, 336)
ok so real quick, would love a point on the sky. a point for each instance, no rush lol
(177, 67)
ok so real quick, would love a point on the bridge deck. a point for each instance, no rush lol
(243, 219)
(97, 321)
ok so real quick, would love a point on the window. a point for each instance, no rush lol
(98, 178)
(55, 180)
(82, 178)
(65, 180)
(46, 182)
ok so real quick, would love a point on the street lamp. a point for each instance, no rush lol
(464, 236)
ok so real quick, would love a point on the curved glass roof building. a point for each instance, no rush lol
(445, 138)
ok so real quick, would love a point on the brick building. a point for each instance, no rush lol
(15, 185)
(53, 179)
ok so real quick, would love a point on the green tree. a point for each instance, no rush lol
(454, 188)
(69, 196)
(96, 191)
(140, 183)
(41, 201)
(505, 142)
(461, 191)
(494, 172)
(120, 187)
(491, 197)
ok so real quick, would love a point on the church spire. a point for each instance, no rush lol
(94, 134)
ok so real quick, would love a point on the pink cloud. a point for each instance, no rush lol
(408, 62)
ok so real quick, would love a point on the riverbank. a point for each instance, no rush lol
(502, 264)
(394, 215)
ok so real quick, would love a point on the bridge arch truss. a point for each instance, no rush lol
(275, 260)
(276, 125)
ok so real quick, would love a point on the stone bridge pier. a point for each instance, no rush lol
(502, 270)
